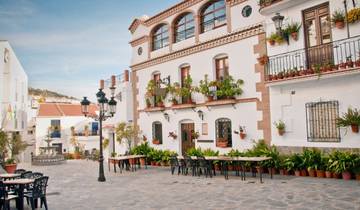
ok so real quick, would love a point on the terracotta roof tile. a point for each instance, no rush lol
(61, 110)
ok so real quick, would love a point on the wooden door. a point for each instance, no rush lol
(186, 141)
(317, 29)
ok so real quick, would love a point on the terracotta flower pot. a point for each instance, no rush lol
(312, 173)
(355, 128)
(357, 176)
(294, 35)
(350, 64)
(357, 63)
(10, 168)
(340, 24)
(153, 163)
(222, 144)
(155, 141)
(320, 173)
(142, 161)
(158, 164)
(132, 161)
(272, 42)
(328, 174)
(210, 98)
(336, 176)
(303, 172)
(230, 167)
(297, 173)
(346, 175)
(242, 135)
(281, 132)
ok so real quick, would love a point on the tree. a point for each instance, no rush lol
(13, 144)
(129, 133)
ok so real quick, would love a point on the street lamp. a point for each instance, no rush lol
(107, 110)
(278, 22)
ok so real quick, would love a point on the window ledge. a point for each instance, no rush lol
(155, 109)
(221, 102)
(183, 106)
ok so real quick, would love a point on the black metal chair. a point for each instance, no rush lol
(190, 164)
(5, 198)
(174, 163)
(19, 171)
(38, 192)
(204, 167)
(25, 174)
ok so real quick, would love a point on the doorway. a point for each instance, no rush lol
(318, 41)
(186, 137)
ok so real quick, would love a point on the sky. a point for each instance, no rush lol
(69, 45)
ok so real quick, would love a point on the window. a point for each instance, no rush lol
(160, 37)
(223, 131)
(321, 121)
(246, 11)
(222, 68)
(55, 129)
(94, 128)
(184, 27)
(213, 15)
(157, 131)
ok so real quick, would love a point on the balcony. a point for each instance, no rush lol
(333, 58)
(268, 7)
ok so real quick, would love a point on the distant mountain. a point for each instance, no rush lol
(47, 93)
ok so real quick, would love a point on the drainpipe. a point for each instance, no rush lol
(346, 19)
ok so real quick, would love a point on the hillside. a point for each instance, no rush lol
(48, 93)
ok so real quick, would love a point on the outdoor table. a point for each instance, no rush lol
(120, 159)
(9, 176)
(21, 183)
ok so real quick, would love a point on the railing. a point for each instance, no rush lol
(265, 3)
(119, 79)
(332, 56)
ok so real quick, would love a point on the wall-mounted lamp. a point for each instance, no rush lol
(278, 22)
(201, 114)
(166, 116)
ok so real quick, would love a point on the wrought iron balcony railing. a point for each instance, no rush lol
(341, 54)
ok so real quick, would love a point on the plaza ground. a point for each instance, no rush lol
(74, 186)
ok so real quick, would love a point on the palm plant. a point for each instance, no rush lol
(350, 118)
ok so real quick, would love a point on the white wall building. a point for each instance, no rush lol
(124, 112)
(62, 117)
(225, 37)
(13, 92)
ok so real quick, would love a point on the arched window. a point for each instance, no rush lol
(157, 131)
(223, 132)
(160, 37)
(213, 15)
(184, 27)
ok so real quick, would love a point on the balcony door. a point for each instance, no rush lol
(317, 29)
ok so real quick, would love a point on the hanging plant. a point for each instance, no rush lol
(338, 19)
(353, 15)
(350, 118)
(263, 60)
(293, 30)
(172, 135)
(280, 125)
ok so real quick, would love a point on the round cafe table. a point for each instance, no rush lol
(21, 183)
(9, 176)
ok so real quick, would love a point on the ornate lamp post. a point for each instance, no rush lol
(107, 110)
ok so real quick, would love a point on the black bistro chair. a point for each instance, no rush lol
(5, 198)
(204, 167)
(19, 171)
(190, 164)
(38, 192)
(174, 163)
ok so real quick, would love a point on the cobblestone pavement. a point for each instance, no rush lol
(74, 186)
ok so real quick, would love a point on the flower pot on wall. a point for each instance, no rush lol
(242, 135)
(281, 132)
(340, 24)
(10, 168)
(295, 36)
(355, 128)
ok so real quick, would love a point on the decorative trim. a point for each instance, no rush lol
(183, 106)
(226, 39)
(176, 9)
(139, 41)
(155, 109)
(264, 104)
(236, 101)
(204, 141)
(221, 102)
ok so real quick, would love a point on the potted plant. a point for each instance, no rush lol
(311, 160)
(272, 164)
(228, 88)
(160, 101)
(338, 19)
(356, 169)
(349, 62)
(148, 102)
(320, 166)
(186, 90)
(204, 88)
(280, 126)
(242, 132)
(72, 129)
(350, 118)
(263, 60)
(272, 39)
(150, 88)
(343, 163)
(353, 15)
(294, 163)
(282, 165)
(128, 133)
(172, 135)
(15, 146)
(86, 130)
(194, 135)
(222, 143)
(293, 29)
(156, 141)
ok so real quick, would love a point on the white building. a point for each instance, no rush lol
(13, 92)
(124, 112)
(225, 37)
(66, 121)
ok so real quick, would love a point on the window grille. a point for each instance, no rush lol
(223, 130)
(321, 121)
(157, 131)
